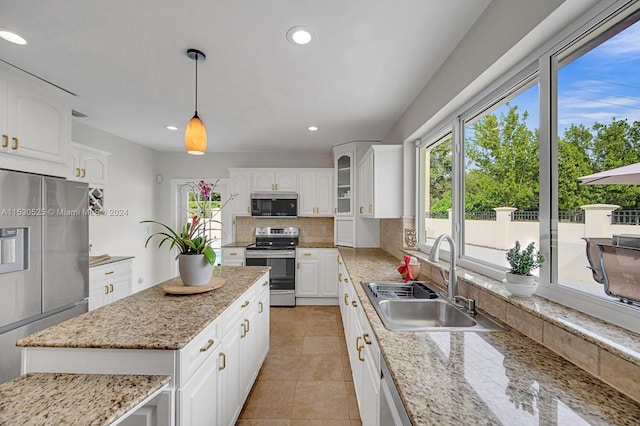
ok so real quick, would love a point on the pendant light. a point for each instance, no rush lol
(195, 136)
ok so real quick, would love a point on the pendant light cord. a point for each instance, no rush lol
(196, 84)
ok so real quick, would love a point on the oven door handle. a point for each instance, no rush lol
(282, 291)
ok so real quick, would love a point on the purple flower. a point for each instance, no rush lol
(205, 189)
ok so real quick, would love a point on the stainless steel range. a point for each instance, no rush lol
(276, 247)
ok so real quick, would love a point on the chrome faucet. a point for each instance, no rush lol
(434, 256)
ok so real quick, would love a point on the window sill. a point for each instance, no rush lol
(534, 316)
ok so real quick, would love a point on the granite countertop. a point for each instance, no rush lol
(73, 399)
(311, 244)
(107, 261)
(238, 244)
(483, 378)
(149, 319)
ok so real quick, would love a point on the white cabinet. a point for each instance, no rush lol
(344, 173)
(274, 180)
(110, 282)
(316, 193)
(35, 124)
(88, 165)
(316, 272)
(240, 185)
(380, 182)
(307, 272)
(232, 256)
(363, 350)
(195, 398)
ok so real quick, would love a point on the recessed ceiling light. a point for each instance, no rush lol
(170, 127)
(312, 128)
(12, 37)
(299, 35)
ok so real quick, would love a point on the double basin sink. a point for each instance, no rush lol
(416, 306)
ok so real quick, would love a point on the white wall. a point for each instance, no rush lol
(130, 186)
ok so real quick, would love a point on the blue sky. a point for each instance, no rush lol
(596, 87)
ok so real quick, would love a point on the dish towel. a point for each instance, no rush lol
(406, 268)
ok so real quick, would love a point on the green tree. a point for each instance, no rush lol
(441, 167)
(503, 161)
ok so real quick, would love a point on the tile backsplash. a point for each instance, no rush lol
(312, 229)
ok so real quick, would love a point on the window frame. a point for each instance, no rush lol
(599, 22)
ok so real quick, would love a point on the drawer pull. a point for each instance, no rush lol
(366, 338)
(223, 357)
(108, 273)
(354, 304)
(233, 254)
(245, 304)
(206, 348)
(306, 254)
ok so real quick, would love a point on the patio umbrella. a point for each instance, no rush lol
(626, 175)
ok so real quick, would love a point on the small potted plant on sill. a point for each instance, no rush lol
(520, 282)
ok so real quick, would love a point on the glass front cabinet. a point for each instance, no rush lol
(345, 191)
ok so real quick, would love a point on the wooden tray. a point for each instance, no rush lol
(177, 287)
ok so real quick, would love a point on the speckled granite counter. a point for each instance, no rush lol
(111, 259)
(308, 245)
(150, 319)
(498, 378)
(73, 399)
(238, 244)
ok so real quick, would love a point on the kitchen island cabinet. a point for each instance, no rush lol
(489, 378)
(208, 343)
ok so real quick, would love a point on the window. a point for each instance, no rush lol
(523, 147)
(435, 169)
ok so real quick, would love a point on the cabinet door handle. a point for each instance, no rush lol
(77, 172)
(244, 330)
(340, 277)
(361, 209)
(84, 173)
(15, 143)
(354, 304)
(266, 283)
(248, 210)
(259, 307)
(335, 210)
(206, 348)
(346, 296)
(248, 328)
(366, 338)
(360, 357)
(106, 289)
(370, 208)
(110, 288)
(276, 186)
(245, 304)
(223, 356)
(298, 266)
(6, 141)
(273, 187)
(346, 281)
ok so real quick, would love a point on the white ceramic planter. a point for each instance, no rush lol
(194, 269)
(521, 285)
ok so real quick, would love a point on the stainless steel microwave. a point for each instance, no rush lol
(274, 204)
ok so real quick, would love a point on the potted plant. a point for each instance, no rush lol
(520, 282)
(195, 254)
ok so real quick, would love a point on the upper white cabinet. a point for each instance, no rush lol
(380, 182)
(316, 192)
(241, 185)
(275, 180)
(88, 165)
(344, 172)
(35, 125)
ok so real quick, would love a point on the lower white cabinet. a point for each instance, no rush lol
(363, 350)
(232, 256)
(196, 396)
(316, 271)
(110, 282)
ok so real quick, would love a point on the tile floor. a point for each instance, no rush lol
(306, 378)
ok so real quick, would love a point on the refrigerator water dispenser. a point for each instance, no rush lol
(14, 246)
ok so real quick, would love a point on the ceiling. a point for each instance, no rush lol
(126, 63)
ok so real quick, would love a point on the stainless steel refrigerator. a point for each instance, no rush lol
(44, 258)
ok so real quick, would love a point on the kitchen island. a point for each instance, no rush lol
(478, 378)
(211, 344)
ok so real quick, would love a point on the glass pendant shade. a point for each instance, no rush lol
(195, 136)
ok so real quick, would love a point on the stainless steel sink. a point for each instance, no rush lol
(417, 306)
